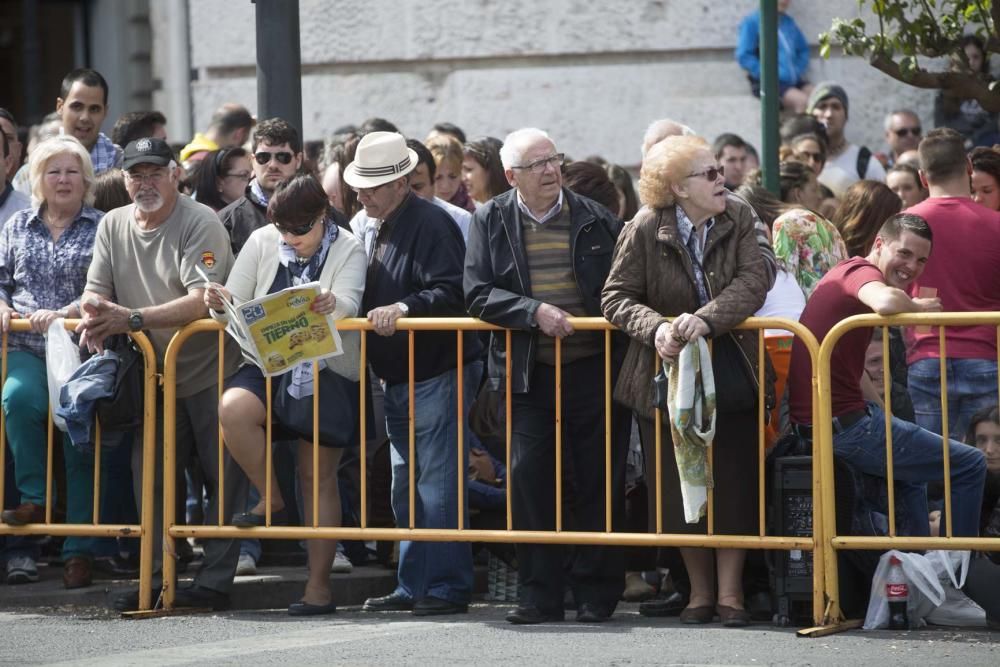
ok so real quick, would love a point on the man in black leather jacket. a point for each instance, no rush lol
(538, 255)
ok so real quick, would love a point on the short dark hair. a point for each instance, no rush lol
(990, 414)
(802, 124)
(277, 131)
(623, 181)
(727, 139)
(942, 154)
(592, 181)
(136, 125)
(424, 156)
(376, 124)
(4, 113)
(232, 117)
(987, 161)
(86, 76)
(297, 202)
(894, 227)
(452, 129)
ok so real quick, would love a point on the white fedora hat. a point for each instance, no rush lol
(381, 157)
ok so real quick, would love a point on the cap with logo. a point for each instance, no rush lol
(148, 150)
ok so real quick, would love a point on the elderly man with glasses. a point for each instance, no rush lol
(538, 255)
(415, 253)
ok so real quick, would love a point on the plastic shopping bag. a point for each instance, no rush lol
(62, 358)
(957, 610)
(926, 592)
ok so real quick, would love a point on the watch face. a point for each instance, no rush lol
(135, 321)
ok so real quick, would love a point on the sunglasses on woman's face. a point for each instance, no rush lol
(296, 231)
(710, 174)
(263, 157)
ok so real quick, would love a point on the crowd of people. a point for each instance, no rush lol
(128, 233)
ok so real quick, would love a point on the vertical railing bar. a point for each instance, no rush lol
(363, 425)
(508, 427)
(761, 432)
(413, 429)
(945, 435)
(315, 443)
(607, 431)
(267, 452)
(658, 430)
(461, 428)
(96, 518)
(890, 477)
(559, 452)
(220, 382)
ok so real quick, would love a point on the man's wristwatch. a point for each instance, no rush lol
(403, 307)
(135, 320)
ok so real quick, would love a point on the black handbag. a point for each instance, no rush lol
(736, 386)
(123, 410)
(338, 416)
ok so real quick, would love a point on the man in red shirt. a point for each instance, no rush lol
(965, 274)
(878, 283)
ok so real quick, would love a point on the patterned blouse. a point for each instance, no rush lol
(36, 273)
(807, 246)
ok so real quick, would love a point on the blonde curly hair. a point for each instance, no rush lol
(667, 163)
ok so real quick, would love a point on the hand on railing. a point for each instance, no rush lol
(6, 315)
(553, 321)
(384, 319)
(41, 319)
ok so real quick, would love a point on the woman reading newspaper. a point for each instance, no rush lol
(301, 245)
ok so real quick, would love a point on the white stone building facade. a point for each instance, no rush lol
(593, 74)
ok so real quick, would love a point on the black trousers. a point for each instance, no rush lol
(596, 574)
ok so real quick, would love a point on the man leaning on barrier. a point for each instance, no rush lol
(878, 283)
(415, 255)
(146, 275)
(539, 254)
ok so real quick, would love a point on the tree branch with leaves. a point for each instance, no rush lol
(919, 42)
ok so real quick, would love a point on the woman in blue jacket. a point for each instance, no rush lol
(793, 57)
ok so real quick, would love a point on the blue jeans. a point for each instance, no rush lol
(972, 386)
(917, 459)
(436, 569)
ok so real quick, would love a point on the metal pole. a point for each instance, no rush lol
(279, 61)
(769, 100)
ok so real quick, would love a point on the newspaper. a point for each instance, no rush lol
(280, 331)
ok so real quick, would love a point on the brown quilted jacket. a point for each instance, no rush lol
(651, 277)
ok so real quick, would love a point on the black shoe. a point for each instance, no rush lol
(590, 612)
(395, 601)
(302, 608)
(251, 520)
(432, 606)
(672, 605)
(199, 596)
(129, 600)
(531, 615)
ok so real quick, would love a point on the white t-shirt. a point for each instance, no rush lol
(841, 172)
(785, 300)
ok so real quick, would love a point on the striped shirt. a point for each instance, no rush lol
(550, 267)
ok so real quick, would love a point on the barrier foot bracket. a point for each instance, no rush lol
(831, 629)
(160, 613)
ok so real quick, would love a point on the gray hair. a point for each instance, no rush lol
(514, 144)
(888, 118)
(659, 130)
(61, 144)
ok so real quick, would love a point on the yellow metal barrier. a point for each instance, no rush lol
(833, 615)
(95, 528)
(558, 536)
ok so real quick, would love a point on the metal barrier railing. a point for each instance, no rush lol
(95, 528)
(833, 615)
(459, 325)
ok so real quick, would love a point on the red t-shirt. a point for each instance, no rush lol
(964, 267)
(835, 298)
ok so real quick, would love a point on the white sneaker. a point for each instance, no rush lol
(246, 566)
(341, 563)
(21, 570)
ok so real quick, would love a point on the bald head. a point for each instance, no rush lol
(659, 130)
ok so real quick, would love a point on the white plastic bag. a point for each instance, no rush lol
(925, 591)
(62, 358)
(957, 610)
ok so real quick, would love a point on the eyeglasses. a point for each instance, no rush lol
(239, 175)
(538, 166)
(371, 191)
(263, 157)
(710, 174)
(810, 157)
(297, 231)
(153, 177)
(904, 131)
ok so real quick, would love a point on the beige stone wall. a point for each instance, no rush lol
(594, 74)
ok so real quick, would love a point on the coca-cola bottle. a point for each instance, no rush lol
(898, 593)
